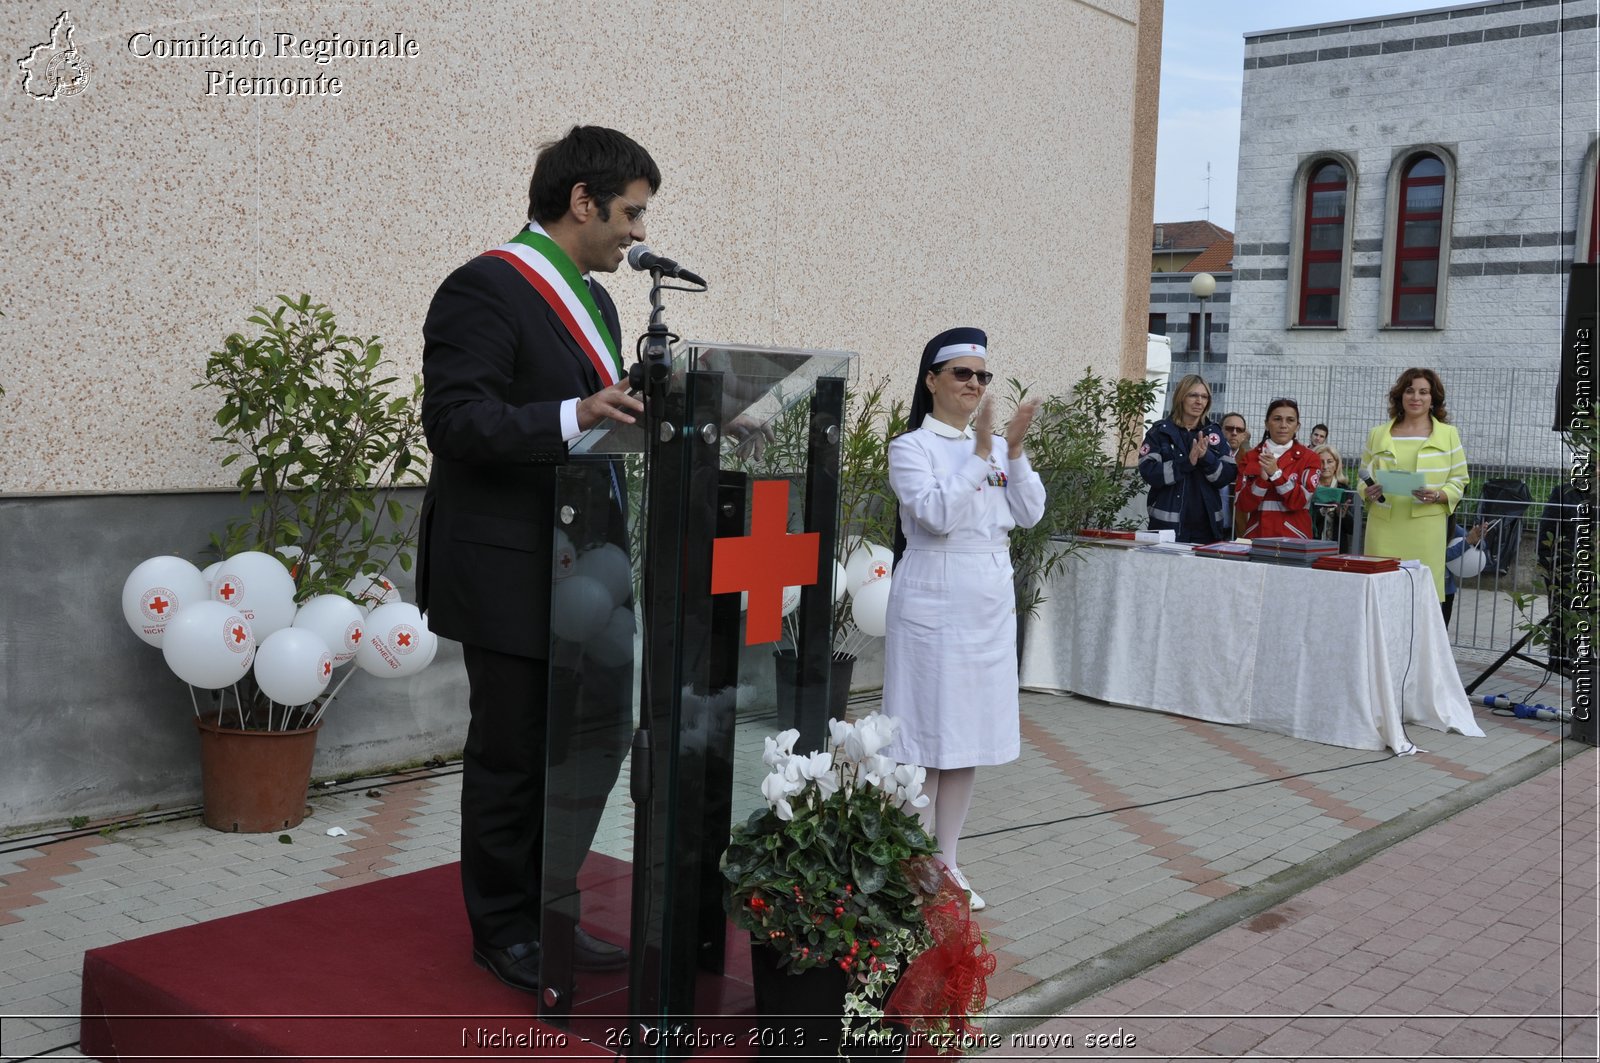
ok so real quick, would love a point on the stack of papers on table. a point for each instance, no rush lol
(1300, 553)
(1231, 551)
(1166, 546)
(1357, 563)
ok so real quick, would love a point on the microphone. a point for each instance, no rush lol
(1370, 482)
(641, 257)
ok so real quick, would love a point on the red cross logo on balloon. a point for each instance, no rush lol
(765, 561)
(327, 668)
(227, 592)
(239, 634)
(159, 604)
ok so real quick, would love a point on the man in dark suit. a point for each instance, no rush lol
(520, 355)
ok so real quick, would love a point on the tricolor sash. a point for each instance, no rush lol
(552, 274)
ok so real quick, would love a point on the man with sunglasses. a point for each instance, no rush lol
(520, 355)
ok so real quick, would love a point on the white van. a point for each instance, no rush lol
(1157, 367)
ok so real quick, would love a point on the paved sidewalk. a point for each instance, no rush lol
(1120, 839)
(1475, 939)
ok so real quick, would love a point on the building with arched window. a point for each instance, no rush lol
(1412, 191)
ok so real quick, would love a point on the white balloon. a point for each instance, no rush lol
(155, 590)
(609, 566)
(430, 645)
(1472, 561)
(613, 647)
(865, 562)
(394, 643)
(791, 600)
(839, 580)
(370, 590)
(870, 607)
(258, 586)
(580, 608)
(209, 645)
(293, 666)
(563, 557)
(337, 621)
(209, 574)
(291, 555)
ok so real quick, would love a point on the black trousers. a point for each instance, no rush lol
(535, 724)
(502, 796)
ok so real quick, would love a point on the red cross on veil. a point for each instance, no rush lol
(765, 561)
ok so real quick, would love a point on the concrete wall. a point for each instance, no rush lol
(848, 175)
(1507, 89)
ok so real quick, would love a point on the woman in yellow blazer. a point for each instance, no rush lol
(1417, 438)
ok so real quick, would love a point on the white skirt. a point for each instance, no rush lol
(950, 660)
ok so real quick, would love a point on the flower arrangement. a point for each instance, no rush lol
(837, 871)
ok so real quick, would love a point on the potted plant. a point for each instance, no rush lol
(849, 914)
(323, 440)
(866, 524)
(1079, 444)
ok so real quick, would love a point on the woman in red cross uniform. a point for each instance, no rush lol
(950, 661)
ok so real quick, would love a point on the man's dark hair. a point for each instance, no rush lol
(1322, 427)
(602, 159)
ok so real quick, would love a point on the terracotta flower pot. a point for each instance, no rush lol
(254, 782)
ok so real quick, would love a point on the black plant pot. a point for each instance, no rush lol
(787, 687)
(798, 1013)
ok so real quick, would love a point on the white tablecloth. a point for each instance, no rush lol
(1336, 657)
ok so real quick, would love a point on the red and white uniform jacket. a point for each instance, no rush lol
(1280, 506)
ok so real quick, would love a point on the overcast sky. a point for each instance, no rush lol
(1202, 73)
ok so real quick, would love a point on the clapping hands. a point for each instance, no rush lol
(1021, 421)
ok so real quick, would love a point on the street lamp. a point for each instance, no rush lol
(1202, 286)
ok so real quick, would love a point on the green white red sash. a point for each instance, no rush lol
(552, 274)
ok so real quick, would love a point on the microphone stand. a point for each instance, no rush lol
(650, 376)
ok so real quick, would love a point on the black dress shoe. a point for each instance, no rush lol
(515, 965)
(589, 953)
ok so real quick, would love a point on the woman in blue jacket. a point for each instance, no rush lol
(1186, 464)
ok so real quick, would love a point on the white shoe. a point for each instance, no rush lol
(975, 902)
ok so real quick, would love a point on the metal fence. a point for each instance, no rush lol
(1514, 457)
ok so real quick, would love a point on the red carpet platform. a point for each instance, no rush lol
(378, 971)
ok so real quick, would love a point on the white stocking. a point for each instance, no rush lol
(951, 803)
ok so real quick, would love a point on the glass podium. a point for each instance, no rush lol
(659, 701)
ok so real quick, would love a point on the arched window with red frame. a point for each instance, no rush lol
(1419, 228)
(1322, 250)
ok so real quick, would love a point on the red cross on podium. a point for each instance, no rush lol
(765, 561)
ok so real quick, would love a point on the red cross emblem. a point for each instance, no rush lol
(239, 633)
(403, 639)
(160, 604)
(355, 636)
(327, 668)
(227, 591)
(879, 570)
(765, 561)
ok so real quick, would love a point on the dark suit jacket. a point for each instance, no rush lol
(496, 365)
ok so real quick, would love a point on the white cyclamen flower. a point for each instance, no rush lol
(908, 781)
(779, 746)
(777, 789)
(818, 768)
(875, 732)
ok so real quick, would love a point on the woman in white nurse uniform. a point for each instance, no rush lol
(950, 660)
